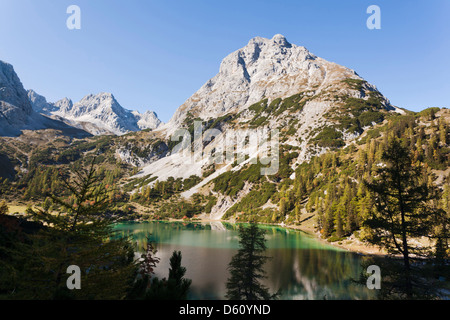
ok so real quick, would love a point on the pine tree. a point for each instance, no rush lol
(339, 223)
(246, 267)
(282, 206)
(3, 207)
(401, 199)
(328, 224)
(148, 263)
(432, 114)
(320, 215)
(180, 285)
(297, 213)
(176, 287)
(352, 223)
(149, 260)
(442, 132)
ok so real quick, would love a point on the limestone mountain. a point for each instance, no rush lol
(267, 69)
(16, 112)
(98, 114)
(316, 105)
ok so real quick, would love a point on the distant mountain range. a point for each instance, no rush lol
(16, 112)
(94, 114)
(97, 114)
(263, 69)
(316, 104)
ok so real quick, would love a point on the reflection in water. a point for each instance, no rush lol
(301, 266)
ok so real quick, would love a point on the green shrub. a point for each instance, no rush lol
(368, 117)
(329, 138)
(355, 84)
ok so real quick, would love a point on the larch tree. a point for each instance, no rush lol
(79, 233)
(403, 212)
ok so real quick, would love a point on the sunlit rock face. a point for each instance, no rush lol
(264, 68)
(99, 114)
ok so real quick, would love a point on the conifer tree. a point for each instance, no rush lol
(176, 287)
(320, 215)
(403, 211)
(177, 272)
(442, 131)
(297, 213)
(339, 223)
(148, 263)
(328, 223)
(282, 206)
(246, 267)
(3, 207)
(80, 234)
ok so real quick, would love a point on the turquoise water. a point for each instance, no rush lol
(301, 266)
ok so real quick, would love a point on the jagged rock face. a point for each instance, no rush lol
(268, 69)
(98, 114)
(64, 105)
(15, 109)
(265, 68)
(39, 103)
(104, 111)
(147, 120)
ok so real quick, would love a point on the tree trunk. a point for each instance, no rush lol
(404, 241)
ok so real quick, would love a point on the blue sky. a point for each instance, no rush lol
(156, 54)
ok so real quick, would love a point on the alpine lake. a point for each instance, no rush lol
(301, 266)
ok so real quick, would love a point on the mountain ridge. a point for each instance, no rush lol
(97, 113)
(315, 104)
(16, 112)
(264, 68)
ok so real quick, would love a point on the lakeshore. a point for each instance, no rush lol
(351, 243)
(307, 225)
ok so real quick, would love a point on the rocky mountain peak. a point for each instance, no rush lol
(39, 103)
(264, 68)
(12, 92)
(92, 102)
(97, 113)
(64, 105)
(260, 53)
(15, 108)
(281, 40)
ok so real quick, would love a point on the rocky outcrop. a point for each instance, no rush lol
(16, 112)
(15, 109)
